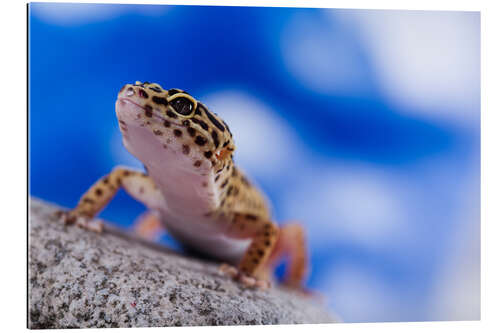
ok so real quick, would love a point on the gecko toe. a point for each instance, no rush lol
(263, 284)
(252, 282)
(245, 280)
(90, 225)
(229, 270)
(69, 218)
(65, 217)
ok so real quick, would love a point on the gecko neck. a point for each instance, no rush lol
(188, 188)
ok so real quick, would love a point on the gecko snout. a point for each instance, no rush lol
(130, 90)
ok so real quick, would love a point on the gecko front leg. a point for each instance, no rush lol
(269, 244)
(139, 185)
(264, 235)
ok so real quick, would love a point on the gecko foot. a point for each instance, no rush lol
(81, 221)
(245, 279)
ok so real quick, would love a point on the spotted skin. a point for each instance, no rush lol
(137, 184)
(193, 187)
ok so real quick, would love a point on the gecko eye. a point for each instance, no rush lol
(183, 106)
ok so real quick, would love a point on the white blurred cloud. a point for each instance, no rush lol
(72, 14)
(323, 61)
(457, 290)
(358, 295)
(265, 144)
(425, 60)
(351, 203)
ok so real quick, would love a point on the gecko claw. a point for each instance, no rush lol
(83, 222)
(246, 280)
(65, 217)
(90, 225)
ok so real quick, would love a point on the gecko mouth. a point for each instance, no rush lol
(128, 100)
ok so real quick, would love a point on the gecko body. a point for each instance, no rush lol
(192, 186)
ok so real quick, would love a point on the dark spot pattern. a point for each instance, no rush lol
(197, 163)
(214, 121)
(173, 91)
(88, 200)
(215, 137)
(191, 131)
(200, 141)
(208, 154)
(185, 149)
(154, 88)
(171, 114)
(160, 100)
(228, 128)
(158, 132)
(201, 123)
(149, 110)
(166, 123)
(177, 132)
(98, 191)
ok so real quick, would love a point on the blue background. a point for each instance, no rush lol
(367, 136)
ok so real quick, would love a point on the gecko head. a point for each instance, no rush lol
(174, 119)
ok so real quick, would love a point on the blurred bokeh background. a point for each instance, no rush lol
(362, 124)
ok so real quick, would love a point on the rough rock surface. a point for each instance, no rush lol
(77, 278)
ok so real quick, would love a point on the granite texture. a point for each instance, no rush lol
(77, 278)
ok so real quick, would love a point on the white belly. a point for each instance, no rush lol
(203, 236)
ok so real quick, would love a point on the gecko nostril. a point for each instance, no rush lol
(130, 92)
(142, 93)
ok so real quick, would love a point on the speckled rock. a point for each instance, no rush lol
(81, 279)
